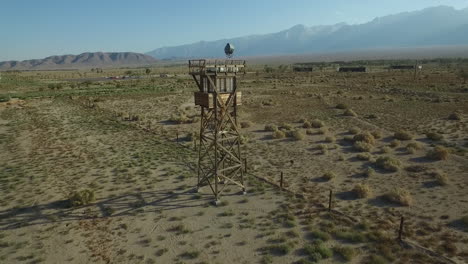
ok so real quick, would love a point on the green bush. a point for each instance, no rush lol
(317, 251)
(388, 163)
(278, 134)
(329, 175)
(362, 146)
(434, 136)
(438, 153)
(271, 128)
(365, 137)
(350, 112)
(246, 124)
(399, 196)
(403, 135)
(347, 253)
(80, 198)
(317, 123)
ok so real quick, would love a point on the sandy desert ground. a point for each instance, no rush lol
(387, 143)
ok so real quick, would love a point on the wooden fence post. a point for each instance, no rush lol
(400, 231)
(281, 181)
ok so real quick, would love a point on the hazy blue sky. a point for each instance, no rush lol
(40, 28)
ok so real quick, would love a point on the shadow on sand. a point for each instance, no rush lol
(126, 204)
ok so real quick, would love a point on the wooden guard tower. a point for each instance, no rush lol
(219, 155)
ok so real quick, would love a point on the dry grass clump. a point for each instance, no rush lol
(278, 134)
(350, 112)
(386, 149)
(317, 123)
(306, 124)
(329, 175)
(362, 146)
(364, 156)
(362, 190)
(395, 143)
(434, 136)
(377, 134)
(440, 177)
(297, 135)
(341, 106)
(455, 116)
(286, 126)
(322, 131)
(330, 139)
(403, 135)
(246, 124)
(354, 130)
(399, 196)
(369, 172)
(80, 198)
(365, 137)
(438, 153)
(181, 118)
(270, 127)
(412, 147)
(388, 163)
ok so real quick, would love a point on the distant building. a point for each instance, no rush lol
(352, 69)
(402, 67)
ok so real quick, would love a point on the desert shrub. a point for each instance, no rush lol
(377, 134)
(309, 132)
(329, 175)
(434, 136)
(348, 138)
(246, 124)
(180, 118)
(350, 112)
(350, 236)
(354, 130)
(369, 172)
(376, 259)
(270, 127)
(322, 131)
(455, 116)
(341, 106)
(386, 149)
(317, 251)
(388, 163)
(319, 235)
(330, 139)
(279, 249)
(362, 190)
(347, 253)
(395, 143)
(80, 198)
(403, 135)
(317, 123)
(440, 177)
(362, 146)
(190, 254)
(297, 135)
(399, 196)
(286, 126)
(438, 153)
(414, 145)
(278, 134)
(306, 124)
(365, 137)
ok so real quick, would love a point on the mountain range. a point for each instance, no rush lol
(84, 60)
(435, 26)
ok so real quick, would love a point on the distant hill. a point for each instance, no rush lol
(435, 26)
(84, 60)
